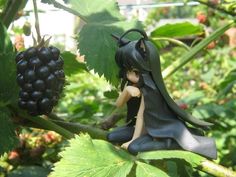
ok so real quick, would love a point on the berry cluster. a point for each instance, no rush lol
(41, 78)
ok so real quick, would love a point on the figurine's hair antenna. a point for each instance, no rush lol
(115, 37)
(120, 42)
(136, 30)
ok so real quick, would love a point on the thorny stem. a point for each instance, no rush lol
(216, 7)
(65, 129)
(175, 66)
(37, 21)
(214, 169)
(60, 6)
(49, 125)
(174, 41)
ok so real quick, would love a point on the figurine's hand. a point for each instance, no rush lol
(133, 91)
(126, 145)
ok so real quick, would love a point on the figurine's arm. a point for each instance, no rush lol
(139, 126)
(128, 92)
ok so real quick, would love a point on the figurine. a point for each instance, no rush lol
(160, 124)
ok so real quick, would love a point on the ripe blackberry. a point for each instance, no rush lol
(41, 78)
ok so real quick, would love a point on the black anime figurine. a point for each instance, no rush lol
(160, 123)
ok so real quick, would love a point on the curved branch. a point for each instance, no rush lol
(187, 57)
(72, 11)
(56, 124)
(212, 168)
(48, 125)
(77, 128)
(216, 7)
(110, 121)
(206, 166)
(174, 41)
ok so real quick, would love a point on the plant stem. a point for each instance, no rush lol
(216, 7)
(77, 128)
(47, 124)
(58, 125)
(10, 11)
(72, 11)
(174, 41)
(175, 66)
(215, 169)
(206, 166)
(37, 21)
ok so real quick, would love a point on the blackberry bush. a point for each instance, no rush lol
(41, 78)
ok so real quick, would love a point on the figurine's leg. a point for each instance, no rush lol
(121, 135)
(147, 143)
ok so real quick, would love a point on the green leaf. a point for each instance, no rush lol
(95, 41)
(87, 157)
(227, 83)
(8, 138)
(29, 171)
(111, 94)
(95, 11)
(207, 77)
(8, 89)
(194, 97)
(187, 57)
(177, 30)
(183, 168)
(146, 170)
(189, 157)
(204, 111)
(5, 42)
(71, 65)
(8, 85)
(172, 169)
(2, 4)
(209, 110)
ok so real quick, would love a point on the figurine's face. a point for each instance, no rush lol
(133, 76)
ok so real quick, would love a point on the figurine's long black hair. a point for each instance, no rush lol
(143, 56)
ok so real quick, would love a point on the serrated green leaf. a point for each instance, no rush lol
(5, 42)
(87, 157)
(8, 138)
(146, 170)
(97, 11)
(95, 41)
(71, 65)
(189, 157)
(8, 85)
(177, 30)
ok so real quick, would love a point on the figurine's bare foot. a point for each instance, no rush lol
(126, 145)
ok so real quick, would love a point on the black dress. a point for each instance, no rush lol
(163, 124)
